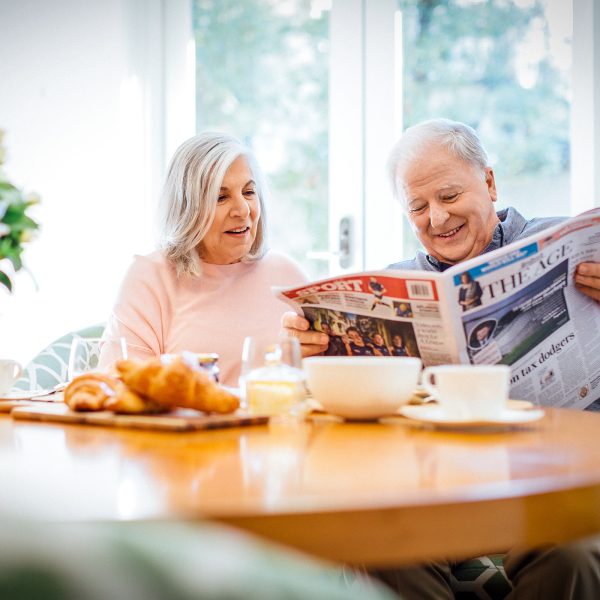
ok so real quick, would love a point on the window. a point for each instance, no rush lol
(323, 88)
(503, 67)
(262, 74)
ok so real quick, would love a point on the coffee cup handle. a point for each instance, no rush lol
(428, 372)
(17, 370)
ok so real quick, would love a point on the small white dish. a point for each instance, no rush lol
(435, 415)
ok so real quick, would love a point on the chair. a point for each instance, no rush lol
(160, 561)
(49, 367)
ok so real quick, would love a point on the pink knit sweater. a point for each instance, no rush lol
(158, 313)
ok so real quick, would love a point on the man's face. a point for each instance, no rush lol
(354, 336)
(378, 339)
(325, 328)
(449, 204)
(482, 333)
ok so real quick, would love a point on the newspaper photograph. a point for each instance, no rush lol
(516, 306)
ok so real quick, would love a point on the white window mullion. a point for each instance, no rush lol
(383, 216)
(346, 146)
(585, 107)
(179, 74)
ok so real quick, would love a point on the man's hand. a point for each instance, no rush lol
(587, 279)
(311, 342)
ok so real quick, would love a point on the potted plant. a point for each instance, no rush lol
(16, 226)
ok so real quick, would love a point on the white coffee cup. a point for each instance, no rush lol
(362, 387)
(10, 371)
(469, 391)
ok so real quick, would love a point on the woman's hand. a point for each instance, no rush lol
(311, 342)
(587, 279)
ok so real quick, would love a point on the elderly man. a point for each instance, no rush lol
(440, 173)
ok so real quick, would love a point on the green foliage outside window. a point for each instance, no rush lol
(262, 74)
(462, 61)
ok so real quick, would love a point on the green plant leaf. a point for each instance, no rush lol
(5, 281)
(15, 213)
(6, 246)
(15, 259)
(6, 186)
(28, 223)
(10, 193)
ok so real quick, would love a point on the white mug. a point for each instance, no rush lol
(10, 371)
(469, 391)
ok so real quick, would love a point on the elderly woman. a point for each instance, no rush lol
(209, 284)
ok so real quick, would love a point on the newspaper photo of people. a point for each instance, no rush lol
(509, 330)
(482, 334)
(469, 292)
(359, 335)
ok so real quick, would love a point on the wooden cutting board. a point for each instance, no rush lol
(7, 406)
(179, 420)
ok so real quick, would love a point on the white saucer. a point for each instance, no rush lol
(435, 415)
(24, 394)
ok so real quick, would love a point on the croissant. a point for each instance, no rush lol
(126, 401)
(176, 384)
(96, 391)
(89, 391)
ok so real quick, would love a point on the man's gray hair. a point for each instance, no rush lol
(190, 193)
(459, 139)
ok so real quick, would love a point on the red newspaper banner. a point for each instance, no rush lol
(416, 288)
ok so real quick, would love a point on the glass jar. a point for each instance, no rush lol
(276, 388)
(207, 361)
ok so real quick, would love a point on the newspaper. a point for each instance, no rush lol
(516, 305)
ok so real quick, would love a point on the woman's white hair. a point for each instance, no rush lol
(189, 198)
(459, 139)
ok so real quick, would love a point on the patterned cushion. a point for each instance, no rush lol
(49, 367)
(481, 578)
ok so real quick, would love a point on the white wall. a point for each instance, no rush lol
(78, 123)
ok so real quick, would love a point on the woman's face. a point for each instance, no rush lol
(233, 229)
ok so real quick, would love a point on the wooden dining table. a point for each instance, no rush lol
(372, 493)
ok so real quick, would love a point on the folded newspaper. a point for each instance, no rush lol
(517, 305)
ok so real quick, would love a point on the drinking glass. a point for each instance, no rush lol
(85, 354)
(271, 379)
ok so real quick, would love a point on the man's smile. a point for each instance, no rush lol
(451, 233)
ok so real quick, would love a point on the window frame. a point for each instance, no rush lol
(365, 121)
